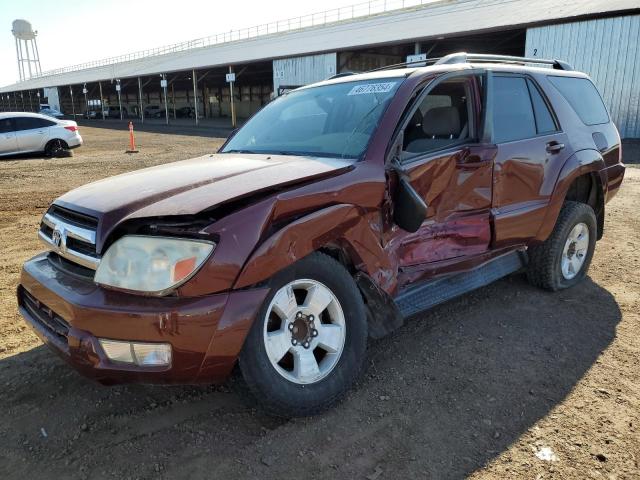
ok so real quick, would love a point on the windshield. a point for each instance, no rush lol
(334, 120)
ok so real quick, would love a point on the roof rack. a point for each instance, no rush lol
(464, 57)
(340, 75)
(415, 63)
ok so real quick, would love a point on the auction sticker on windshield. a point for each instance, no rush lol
(372, 88)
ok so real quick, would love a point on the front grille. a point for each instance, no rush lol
(82, 247)
(70, 267)
(46, 229)
(74, 218)
(44, 316)
(71, 235)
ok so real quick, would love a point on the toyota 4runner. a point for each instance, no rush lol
(338, 210)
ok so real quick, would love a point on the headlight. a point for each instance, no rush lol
(152, 265)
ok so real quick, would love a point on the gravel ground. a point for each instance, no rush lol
(506, 382)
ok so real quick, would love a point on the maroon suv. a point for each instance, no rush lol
(337, 211)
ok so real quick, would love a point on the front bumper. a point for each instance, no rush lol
(69, 313)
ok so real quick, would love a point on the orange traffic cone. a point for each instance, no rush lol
(132, 140)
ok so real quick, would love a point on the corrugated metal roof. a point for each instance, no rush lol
(428, 21)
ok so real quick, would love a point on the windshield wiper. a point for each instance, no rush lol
(299, 153)
(240, 151)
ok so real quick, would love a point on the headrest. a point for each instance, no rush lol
(441, 121)
(416, 119)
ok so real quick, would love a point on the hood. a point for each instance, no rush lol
(191, 186)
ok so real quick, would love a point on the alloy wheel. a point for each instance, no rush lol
(304, 331)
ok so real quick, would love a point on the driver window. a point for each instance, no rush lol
(441, 120)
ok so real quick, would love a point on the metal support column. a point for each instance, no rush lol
(195, 96)
(20, 66)
(86, 99)
(118, 88)
(173, 99)
(141, 103)
(101, 100)
(163, 84)
(232, 100)
(73, 106)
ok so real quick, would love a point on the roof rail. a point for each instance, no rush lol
(339, 75)
(464, 57)
(415, 63)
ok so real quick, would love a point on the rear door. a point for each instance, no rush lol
(531, 151)
(8, 142)
(32, 133)
(446, 163)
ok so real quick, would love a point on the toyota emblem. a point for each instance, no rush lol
(56, 237)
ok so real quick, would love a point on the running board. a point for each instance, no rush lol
(431, 293)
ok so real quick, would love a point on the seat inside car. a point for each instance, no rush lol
(441, 119)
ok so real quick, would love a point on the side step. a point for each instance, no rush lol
(431, 293)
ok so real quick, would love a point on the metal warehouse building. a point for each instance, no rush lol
(191, 79)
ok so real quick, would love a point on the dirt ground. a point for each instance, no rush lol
(506, 382)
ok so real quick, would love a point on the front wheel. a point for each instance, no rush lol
(564, 258)
(307, 346)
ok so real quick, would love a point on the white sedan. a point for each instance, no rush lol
(22, 132)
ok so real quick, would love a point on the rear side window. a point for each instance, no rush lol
(583, 96)
(5, 125)
(29, 123)
(544, 120)
(513, 117)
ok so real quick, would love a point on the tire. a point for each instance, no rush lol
(556, 264)
(57, 148)
(292, 387)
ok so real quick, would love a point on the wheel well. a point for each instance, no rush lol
(383, 316)
(588, 189)
(340, 254)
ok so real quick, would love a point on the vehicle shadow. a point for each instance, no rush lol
(441, 398)
(26, 156)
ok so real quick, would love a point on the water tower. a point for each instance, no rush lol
(26, 49)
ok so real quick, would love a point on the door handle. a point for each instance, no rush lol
(471, 161)
(554, 147)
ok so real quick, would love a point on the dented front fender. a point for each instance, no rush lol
(346, 226)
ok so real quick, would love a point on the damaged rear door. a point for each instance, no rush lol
(440, 152)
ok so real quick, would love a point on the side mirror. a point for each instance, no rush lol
(409, 209)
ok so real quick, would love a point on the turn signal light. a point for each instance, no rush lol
(140, 354)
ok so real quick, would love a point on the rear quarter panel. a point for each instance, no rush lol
(596, 149)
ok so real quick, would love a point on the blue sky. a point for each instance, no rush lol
(77, 31)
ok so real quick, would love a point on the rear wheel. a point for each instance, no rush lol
(307, 346)
(564, 258)
(57, 148)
